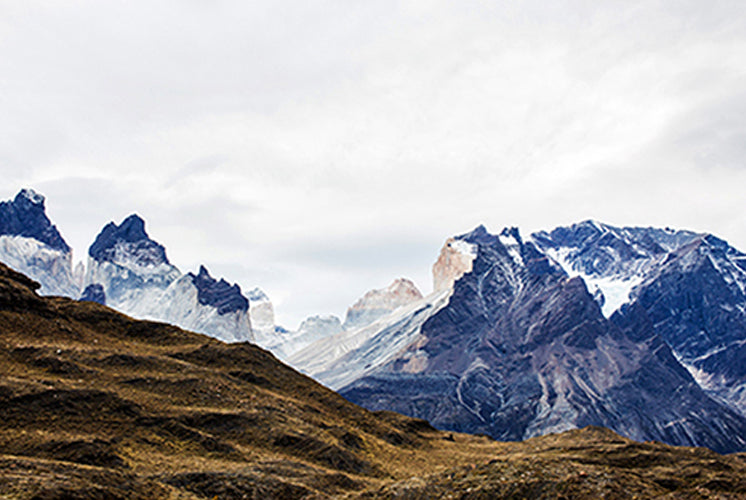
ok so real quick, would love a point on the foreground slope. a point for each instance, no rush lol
(94, 404)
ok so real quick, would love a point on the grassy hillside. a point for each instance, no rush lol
(94, 404)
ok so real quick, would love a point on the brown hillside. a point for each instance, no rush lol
(94, 404)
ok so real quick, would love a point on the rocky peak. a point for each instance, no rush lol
(455, 260)
(31, 197)
(720, 246)
(220, 294)
(320, 326)
(377, 303)
(400, 292)
(127, 242)
(257, 295)
(262, 312)
(94, 293)
(26, 216)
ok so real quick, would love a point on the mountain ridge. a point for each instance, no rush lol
(675, 298)
(95, 404)
(522, 349)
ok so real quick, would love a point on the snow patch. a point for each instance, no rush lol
(513, 247)
(343, 358)
(51, 267)
(464, 247)
(615, 289)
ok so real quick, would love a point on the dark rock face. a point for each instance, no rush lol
(26, 216)
(222, 295)
(690, 290)
(598, 249)
(692, 298)
(522, 350)
(131, 235)
(696, 301)
(94, 293)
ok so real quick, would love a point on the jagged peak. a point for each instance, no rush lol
(26, 216)
(132, 229)
(130, 232)
(592, 223)
(226, 298)
(31, 196)
(717, 243)
(402, 284)
(478, 235)
(94, 293)
(512, 232)
(375, 303)
(480, 230)
(256, 294)
(705, 245)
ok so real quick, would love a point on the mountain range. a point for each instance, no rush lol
(640, 330)
(95, 404)
(522, 348)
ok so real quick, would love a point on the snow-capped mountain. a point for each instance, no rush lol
(132, 269)
(641, 330)
(131, 273)
(311, 329)
(340, 359)
(519, 348)
(262, 310)
(262, 315)
(31, 244)
(611, 260)
(325, 337)
(200, 303)
(689, 285)
(696, 301)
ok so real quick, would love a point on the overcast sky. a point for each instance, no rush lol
(319, 149)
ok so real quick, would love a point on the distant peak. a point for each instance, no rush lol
(400, 284)
(25, 216)
(223, 296)
(480, 230)
(129, 237)
(321, 325)
(257, 295)
(478, 235)
(512, 232)
(31, 196)
(133, 229)
(94, 293)
(593, 224)
(378, 302)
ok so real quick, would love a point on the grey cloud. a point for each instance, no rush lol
(299, 145)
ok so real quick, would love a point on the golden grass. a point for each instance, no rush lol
(94, 404)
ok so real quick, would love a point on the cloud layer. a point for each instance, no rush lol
(321, 149)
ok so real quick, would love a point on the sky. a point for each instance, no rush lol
(321, 149)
